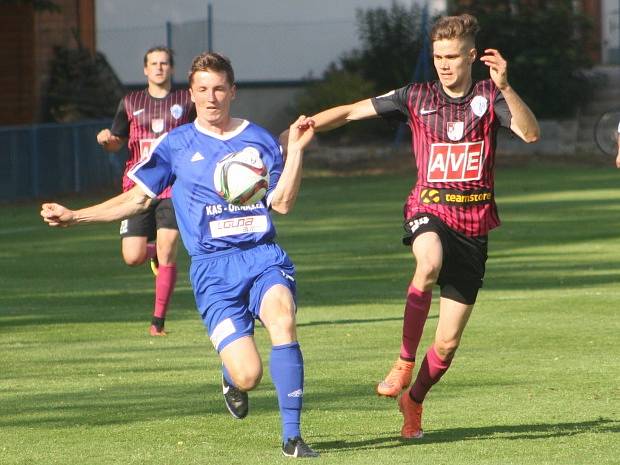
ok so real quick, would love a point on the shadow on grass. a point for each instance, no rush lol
(510, 432)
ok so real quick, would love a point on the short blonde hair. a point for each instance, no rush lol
(464, 26)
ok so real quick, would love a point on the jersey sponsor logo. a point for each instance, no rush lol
(157, 125)
(479, 105)
(223, 329)
(137, 112)
(176, 111)
(197, 157)
(455, 130)
(455, 162)
(242, 225)
(146, 146)
(424, 111)
(430, 196)
(455, 197)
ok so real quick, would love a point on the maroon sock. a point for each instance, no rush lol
(431, 371)
(416, 312)
(164, 285)
(151, 250)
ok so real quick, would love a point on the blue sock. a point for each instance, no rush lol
(227, 376)
(286, 365)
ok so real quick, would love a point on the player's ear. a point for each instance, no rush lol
(191, 94)
(472, 55)
(233, 91)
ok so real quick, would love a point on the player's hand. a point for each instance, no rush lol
(104, 137)
(300, 133)
(57, 215)
(498, 67)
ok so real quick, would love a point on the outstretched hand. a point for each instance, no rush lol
(498, 67)
(300, 133)
(56, 215)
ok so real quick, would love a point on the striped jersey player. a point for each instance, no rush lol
(141, 118)
(453, 142)
(450, 210)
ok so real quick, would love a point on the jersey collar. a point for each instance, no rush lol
(227, 136)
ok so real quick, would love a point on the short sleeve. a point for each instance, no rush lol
(120, 123)
(500, 107)
(275, 165)
(393, 105)
(155, 173)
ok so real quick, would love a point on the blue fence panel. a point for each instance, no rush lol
(50, 159)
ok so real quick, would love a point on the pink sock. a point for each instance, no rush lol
(416, 312)
(431, 371)
(151, 250)
(164, 285)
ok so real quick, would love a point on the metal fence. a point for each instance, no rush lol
(264, 52)
(51, 159)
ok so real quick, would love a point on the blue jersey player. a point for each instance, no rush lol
(238, 273)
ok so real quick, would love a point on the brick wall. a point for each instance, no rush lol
(27, 39)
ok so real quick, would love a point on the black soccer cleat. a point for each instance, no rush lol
(296, 447)
(235, 399)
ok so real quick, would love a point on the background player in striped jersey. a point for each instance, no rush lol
(450, 210)
(141, 118)
(238, 272)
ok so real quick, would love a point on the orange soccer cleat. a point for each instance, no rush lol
(155, 331)
(397, 379)
(412, 415)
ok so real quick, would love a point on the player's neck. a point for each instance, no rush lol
(159, 90)
(458, 90)
(221, 127)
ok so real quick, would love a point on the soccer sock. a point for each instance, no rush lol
(431, 371)
(286, 366)
(164, 285)
(416, 312)
(227, 376)
(151, 250)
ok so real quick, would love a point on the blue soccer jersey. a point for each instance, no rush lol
(186, 158)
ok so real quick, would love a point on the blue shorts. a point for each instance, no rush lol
(229, 289)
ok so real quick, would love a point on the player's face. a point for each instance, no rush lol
(212, 94)
(157, 69)
(453, 59)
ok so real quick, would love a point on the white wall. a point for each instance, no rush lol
(265, 39)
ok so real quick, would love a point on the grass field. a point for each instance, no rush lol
(536, 380)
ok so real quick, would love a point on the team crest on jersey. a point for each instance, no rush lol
(157, 125)
(455, 130)
(479, 105)
(176, 111)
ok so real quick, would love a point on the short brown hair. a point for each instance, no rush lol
(455, 27)
(160, 48)
(212, 61)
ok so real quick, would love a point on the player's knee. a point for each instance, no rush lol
(428, 271)
(446, 348)
(248, 379)
(134, 260)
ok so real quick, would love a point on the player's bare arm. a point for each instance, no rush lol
(524, 123)
(618, 156)
(285, 193)
(109, 141)
(335, 117)
(122, 206)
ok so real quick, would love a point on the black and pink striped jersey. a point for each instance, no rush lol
(453, 142)
(142, 119)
